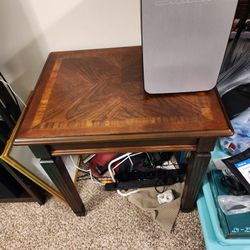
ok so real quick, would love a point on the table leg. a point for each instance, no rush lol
(56, 170)
(196, 170)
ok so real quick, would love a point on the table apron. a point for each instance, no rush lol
(124, 146)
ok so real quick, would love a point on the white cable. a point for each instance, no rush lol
(86, 171)
(19, 98)
(111, 171)
(125, 156)
(127, 193)
(132, 164)
(116, 166)
(112, 162)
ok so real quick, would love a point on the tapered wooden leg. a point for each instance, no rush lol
(56, 170)
(196, 171)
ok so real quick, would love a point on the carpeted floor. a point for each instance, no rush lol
(111, 223)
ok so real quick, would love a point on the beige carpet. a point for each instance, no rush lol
(111, 223)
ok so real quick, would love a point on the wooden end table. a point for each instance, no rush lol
(93, 101)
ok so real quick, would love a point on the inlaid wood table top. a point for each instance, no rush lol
(96, 95)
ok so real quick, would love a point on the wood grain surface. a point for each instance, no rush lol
(98, 95)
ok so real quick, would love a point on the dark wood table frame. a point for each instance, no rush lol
(93, 101)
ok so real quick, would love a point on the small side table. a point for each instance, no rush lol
(93, 101)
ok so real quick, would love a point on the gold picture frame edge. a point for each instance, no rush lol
(19, 167)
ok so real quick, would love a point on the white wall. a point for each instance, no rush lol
(30, 29)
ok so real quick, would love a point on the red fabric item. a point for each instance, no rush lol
(100, 160)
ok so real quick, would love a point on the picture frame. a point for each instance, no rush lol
(23, 160)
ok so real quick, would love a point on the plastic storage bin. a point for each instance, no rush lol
(213, 235)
